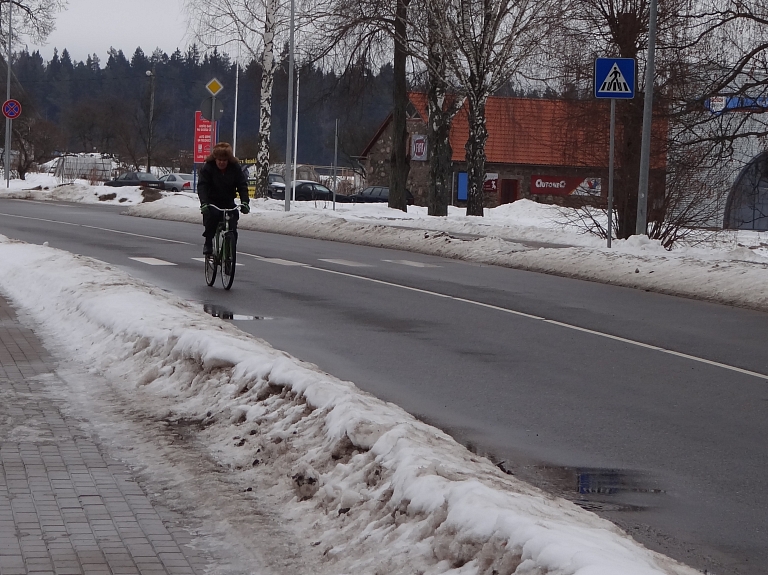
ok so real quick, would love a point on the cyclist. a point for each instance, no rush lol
(221, 179)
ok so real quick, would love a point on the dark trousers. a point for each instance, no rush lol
(213, 217)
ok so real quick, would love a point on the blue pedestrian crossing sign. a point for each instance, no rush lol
(615, 78)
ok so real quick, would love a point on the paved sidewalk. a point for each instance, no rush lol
(65, 507)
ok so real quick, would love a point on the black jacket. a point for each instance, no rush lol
(220, 188)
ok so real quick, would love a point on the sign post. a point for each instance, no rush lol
(213, 87)
(614, 78)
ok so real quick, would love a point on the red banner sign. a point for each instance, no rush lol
(202, 138)
(565, 185)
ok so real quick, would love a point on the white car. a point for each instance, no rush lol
(177, 182)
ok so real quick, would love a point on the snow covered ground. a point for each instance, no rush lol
(319, 476)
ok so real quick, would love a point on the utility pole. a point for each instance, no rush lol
(151, 74)
(288, 131)
(237, 88)
(641, 227)
(8, 121)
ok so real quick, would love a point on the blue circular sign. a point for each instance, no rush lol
(11, 109)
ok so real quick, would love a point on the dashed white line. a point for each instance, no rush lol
(411, 263)
(347, 263)
(153, 262)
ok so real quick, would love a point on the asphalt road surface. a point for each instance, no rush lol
(648, 409)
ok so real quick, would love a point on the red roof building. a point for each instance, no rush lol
(548, 149)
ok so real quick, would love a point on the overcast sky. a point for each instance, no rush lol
(93, 26)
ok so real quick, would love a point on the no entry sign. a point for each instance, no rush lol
(11, 109)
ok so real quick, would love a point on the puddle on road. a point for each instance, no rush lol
(600, 489)
(224, 313)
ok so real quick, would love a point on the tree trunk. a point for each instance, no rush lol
(438, 129)
(400, 164)
(265, 106)
(628, 173)
(475, 154)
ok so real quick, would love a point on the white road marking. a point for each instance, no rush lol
(46, 202)
(97, 228)
(345, 263)
(412, 264)
(153, 261)
(557, 323)
(277, 261)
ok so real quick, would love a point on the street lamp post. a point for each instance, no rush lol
(641, 226)
(151, 74)
(288, 130)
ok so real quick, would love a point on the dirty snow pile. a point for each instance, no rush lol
(365, 486)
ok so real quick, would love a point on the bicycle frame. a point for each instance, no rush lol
(219, 259)
(221, 229)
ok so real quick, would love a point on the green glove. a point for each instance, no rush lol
(245, 207)
(204, 209)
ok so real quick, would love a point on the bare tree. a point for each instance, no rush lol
(487, 42)
(32, 18)
(37, 140)
(703, 49)
(252, 25)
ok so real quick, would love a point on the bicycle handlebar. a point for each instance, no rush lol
(237, 207)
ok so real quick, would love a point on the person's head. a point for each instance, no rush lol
(222, 154)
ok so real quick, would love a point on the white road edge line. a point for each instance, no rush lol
(97, 228)
(558, 323)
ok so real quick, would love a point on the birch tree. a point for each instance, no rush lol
(353, 31)
(487, 42)
(252, 25)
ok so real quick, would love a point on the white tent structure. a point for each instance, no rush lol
(92, 167)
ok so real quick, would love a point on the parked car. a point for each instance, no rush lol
(309, 191)
(177, 182)
(377, 194)
(135, 179)
(276, 184)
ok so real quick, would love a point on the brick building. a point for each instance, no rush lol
(553, 151)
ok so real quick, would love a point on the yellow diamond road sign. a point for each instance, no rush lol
(214, 87)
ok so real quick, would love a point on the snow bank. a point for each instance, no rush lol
(377, 490)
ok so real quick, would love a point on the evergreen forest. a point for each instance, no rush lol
(92, 106)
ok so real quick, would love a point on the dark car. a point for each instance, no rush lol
(377, 194)
(276, 183)
(309, 191)
(177, 182)
(135, 179)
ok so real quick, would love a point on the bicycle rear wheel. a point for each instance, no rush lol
(228, 261)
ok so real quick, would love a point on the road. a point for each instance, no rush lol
(648, 409)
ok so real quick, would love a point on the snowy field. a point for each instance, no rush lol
(289, 469)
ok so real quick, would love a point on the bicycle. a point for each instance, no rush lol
(224, 254)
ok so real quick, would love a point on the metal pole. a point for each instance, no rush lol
(151, 115)
(213, 122)
(645, 146)
(234, 128)
(288, 150)
(610, 171)
(335, 159)
(8, 121)
(296, 137)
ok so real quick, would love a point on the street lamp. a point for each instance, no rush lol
(641, 225)
(151, 74)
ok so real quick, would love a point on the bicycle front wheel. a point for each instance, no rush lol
(228, 261)
(210, 269)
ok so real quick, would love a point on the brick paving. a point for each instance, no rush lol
(65, 507)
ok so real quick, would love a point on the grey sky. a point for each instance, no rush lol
(92, 26)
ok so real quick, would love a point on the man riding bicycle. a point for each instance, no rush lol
(221, 179)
